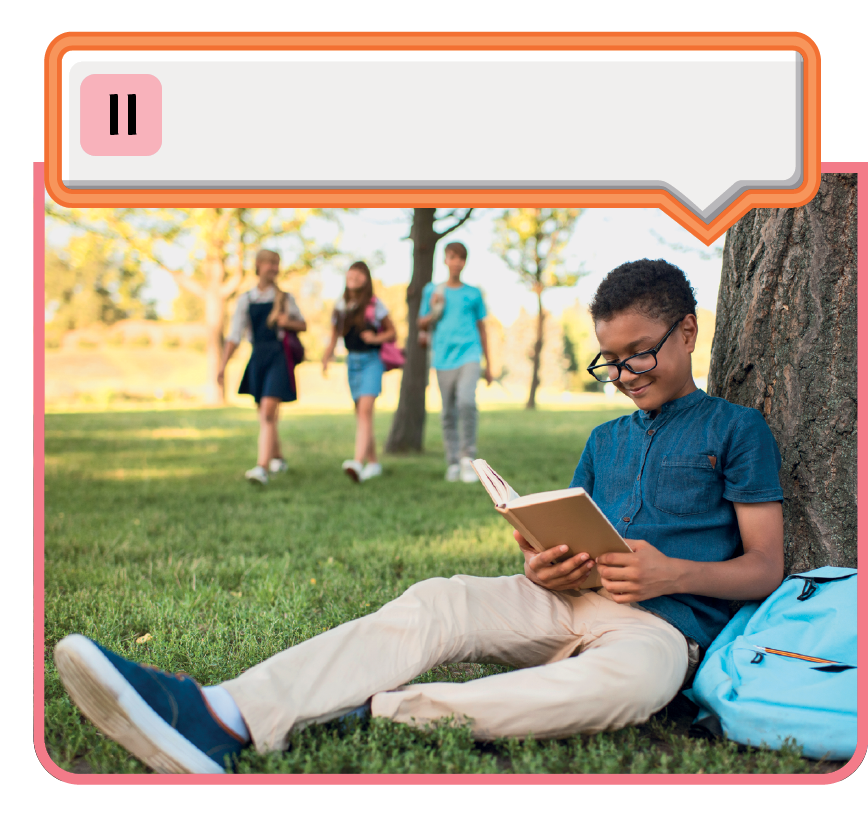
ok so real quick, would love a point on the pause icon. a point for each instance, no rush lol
(121, 114)
(113, 114)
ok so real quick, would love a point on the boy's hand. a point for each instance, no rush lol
(488, 376)
(542, 568)
(645, 573)
(368, 337)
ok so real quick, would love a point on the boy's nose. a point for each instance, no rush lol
(628, 378)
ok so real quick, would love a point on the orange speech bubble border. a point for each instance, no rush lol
(420, 41)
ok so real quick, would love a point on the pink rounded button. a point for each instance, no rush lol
(121, 114)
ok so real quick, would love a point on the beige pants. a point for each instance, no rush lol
(629, 664)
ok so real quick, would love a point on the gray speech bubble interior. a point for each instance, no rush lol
(704, 131)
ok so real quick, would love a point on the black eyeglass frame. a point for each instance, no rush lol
(622, 364)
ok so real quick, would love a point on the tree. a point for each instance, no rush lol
(408, 424)
(531, 243)
(785, 343)
(219, 245)
(89, 282)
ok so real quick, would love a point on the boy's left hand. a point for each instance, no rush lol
(368, 337)
(645, 573)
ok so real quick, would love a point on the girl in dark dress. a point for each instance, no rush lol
(263, 313)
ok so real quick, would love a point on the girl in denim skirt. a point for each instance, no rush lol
(364, 330)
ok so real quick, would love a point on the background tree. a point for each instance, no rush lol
(219, 243)
(785, 343)
(92, 282)
(531, 243)
(408, 425)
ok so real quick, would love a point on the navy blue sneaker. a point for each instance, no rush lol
(162, 719)
(358, 716)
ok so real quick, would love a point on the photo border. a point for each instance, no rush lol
(39, 189)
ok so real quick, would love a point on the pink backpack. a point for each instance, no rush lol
(390, 354)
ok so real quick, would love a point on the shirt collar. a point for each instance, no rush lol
(671, 407)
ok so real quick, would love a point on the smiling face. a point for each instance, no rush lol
(629, 332)
(267, 267)
(356, 279)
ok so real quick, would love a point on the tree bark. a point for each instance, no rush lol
(785, 343)
(408, 425)
(537, 353)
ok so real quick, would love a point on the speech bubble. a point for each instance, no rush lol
(704, 127)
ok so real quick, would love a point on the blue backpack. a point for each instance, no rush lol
(786, 668)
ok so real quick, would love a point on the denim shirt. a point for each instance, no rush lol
(672, 481)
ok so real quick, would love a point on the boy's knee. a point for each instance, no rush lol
(447, 596)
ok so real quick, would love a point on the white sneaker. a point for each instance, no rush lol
(468, 473)
(257, 474)
(453, 473)
(353, 469)
(371, 470)
(277, 465)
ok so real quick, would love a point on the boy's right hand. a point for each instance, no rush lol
(544, 569)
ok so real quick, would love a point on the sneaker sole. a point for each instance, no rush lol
(256, 481)
(353, 475)
(108, 700)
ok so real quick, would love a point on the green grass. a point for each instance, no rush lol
(151, 529)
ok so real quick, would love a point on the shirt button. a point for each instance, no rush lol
(651, 431)
(626, 519)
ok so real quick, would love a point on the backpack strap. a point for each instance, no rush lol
(437, 314)
(371, 312)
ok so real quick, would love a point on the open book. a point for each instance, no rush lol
(565, 517)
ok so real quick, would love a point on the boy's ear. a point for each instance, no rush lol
(690, 331)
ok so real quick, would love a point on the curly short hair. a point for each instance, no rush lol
(655, 288)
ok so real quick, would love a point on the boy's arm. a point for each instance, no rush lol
(483, 340)
(647, 573)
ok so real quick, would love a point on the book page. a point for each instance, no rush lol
(498, 489)
(544, 496)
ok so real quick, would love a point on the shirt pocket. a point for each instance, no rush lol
(687, 484)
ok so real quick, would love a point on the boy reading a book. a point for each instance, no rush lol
(690, 482)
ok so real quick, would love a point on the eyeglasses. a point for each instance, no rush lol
(637, 364)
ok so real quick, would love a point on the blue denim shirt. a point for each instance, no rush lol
(672, 481)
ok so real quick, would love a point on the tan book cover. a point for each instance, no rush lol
(565, 517)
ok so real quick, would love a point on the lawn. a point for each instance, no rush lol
(152, 532)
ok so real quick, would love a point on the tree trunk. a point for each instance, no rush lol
(537, 353)
(408, 425)
(785, 343)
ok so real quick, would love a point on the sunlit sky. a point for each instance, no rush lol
(603, 239)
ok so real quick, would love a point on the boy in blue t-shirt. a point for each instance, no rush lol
(458, 343)
(690, 481)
